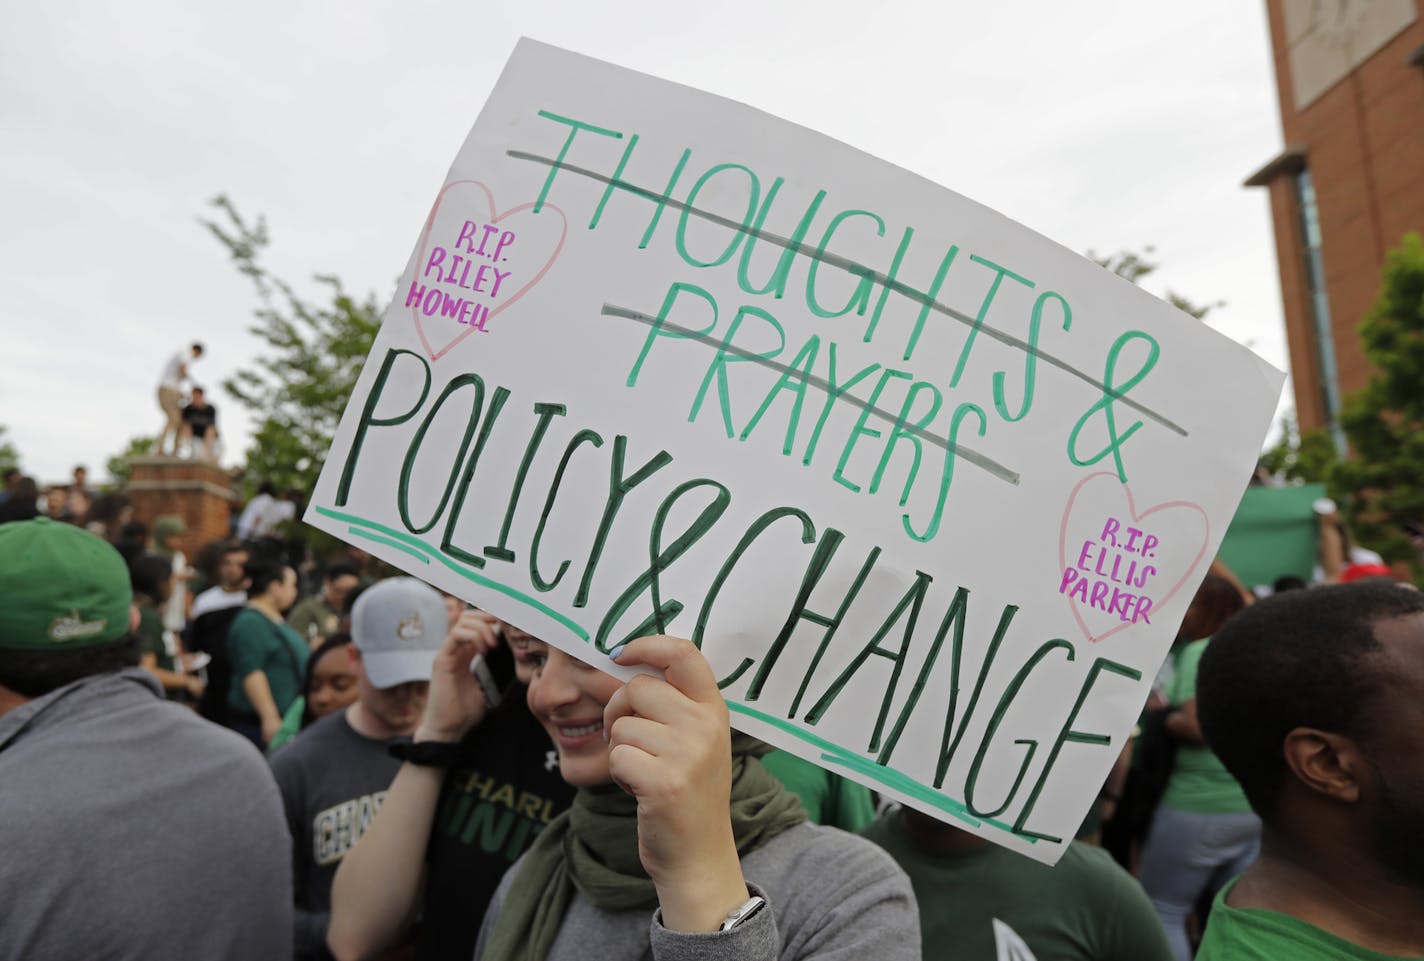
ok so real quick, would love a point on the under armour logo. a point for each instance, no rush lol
(551, 760)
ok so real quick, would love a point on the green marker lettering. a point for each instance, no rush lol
(1066, 735)
(659, 560)
(832, 396)
(808, 535)
(718, 367)
(546, 412)
(954, 616)
(861, 430)
(579, 439)
(951, 453)
(927, 299)
(447, 541)
(996, 719)
(958, 613)
(574, 127)
(663, 199)
(753, 197)
(899, 432)
(860, 299)
(369, 418)
(891, 277)
(831, 624)
(1030, 357)
(616, 182)
(408, 466)
(815, 569)
(912, 600)
(618, 488)
(657, 329)
(776, 284)
(1112, 393)
(794, 380)
(999, 274)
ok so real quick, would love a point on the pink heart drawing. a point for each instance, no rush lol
(1065, 563)
(494, 218)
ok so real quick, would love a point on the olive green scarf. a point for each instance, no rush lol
(593, 847)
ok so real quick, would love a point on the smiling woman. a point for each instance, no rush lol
(677, 816)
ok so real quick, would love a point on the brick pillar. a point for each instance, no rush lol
(197, 491)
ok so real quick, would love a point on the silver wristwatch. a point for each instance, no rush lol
(740, 914)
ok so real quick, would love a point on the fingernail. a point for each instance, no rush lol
(617, 652)
(605, 735)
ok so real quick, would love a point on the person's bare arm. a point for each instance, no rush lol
(259, 695)
(171, 680)
(1332, 547)
(1182, 724)
(1219, 568)
(377, 888)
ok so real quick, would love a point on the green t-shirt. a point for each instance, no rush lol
(150, 631)
(828, 798)
(1199, 782)
(988, 903)
(1255, 934)
(256, 643)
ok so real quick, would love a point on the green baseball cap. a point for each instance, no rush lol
(63, 588)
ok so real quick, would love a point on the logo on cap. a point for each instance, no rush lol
(72, 627)
(411, 629)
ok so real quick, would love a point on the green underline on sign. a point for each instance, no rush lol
(889, 777)
(389, 543)
(404, 541)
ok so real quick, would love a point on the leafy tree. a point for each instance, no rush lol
(300, 385)
(1133, 266)
(119, 467)
(1384, 420)
(9, 457)
(1307, 457)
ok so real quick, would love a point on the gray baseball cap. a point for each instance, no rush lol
(398, 626)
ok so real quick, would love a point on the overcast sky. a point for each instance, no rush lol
(1104, 125)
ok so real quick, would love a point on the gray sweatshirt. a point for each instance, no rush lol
(131, 828)
(830, 896)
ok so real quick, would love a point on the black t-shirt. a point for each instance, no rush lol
(200, 418)
(492, 807)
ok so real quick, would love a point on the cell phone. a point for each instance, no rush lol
(495, 672)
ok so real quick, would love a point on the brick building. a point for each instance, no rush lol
(1349, 183)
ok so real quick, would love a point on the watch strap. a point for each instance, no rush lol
(428, 753)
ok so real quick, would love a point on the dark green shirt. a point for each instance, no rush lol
(828, 798)
(256, 643)
(1255, 934)
(150, 631)
(988, 903)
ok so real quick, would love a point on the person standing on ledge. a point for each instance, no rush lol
(170, 398)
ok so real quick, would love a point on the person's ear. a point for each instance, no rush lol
(1328, 764)
(353, 657)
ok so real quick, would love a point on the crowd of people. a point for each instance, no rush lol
(234, 750)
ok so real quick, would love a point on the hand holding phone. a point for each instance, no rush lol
(495, 672)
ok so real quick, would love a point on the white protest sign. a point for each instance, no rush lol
(931, 492)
